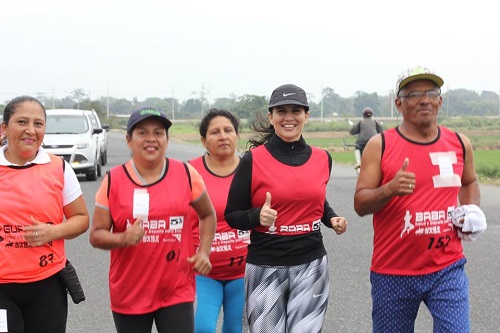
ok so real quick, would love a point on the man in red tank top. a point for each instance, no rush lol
(413, 178)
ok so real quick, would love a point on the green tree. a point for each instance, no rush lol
(331, 103)
(98, 107)
(363, 100)
(228, 104)
(247, 105)
(192, 108)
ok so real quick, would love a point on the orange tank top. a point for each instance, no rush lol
(33, 190)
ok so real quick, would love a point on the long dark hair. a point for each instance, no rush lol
(263, 130)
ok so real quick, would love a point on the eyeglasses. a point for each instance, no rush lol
(417, 95)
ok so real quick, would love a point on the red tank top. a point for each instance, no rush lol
(229, 247)
(300, 204)
(413, 234)
(34, 190)
(155, 273)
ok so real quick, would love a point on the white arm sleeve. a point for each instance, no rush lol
(72, 189)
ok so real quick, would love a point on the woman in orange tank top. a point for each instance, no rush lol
(38, 192)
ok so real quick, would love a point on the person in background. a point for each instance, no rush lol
(279, 193)
(142, 215)
(419, 182)
(42, 206)
(224, 285)
(364, 130)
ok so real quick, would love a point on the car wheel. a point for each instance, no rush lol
(92, 174)
(99, 169)
(104, 157)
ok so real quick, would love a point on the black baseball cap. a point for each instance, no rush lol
(288, 94)
(145, 113)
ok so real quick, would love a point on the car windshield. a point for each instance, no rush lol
(66, 124)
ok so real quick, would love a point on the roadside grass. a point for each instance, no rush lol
(487, 164)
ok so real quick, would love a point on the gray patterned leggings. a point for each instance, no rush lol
(291, 299)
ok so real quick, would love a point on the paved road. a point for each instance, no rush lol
(349, 255)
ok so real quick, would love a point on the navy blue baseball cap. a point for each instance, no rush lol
(145, 113)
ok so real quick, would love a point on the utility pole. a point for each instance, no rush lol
(202, 97)
(107, 99)
(209, 95)
(173, 104)
(448, 102)
(391, 101)
(322, 98)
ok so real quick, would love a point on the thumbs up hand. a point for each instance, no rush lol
(267, 214)
(404, 181)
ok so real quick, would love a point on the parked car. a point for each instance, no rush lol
(103, 136)
(71, 135)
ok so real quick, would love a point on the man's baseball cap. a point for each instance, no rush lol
(417, 73)
(145, 113)
(288, 94)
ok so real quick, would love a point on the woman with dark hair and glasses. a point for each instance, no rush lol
(223, 286)
(279, 194)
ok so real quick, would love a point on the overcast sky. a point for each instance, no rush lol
(178, 48)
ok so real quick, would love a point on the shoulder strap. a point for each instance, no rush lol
(109, 183)
(188, 174)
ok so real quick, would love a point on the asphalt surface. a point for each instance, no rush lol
(349, 309)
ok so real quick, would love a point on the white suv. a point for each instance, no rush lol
(71, 135)
(103, 136)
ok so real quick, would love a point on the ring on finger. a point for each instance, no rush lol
(410, 186)
(36, 233)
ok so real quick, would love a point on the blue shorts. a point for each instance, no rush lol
(396, 300)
